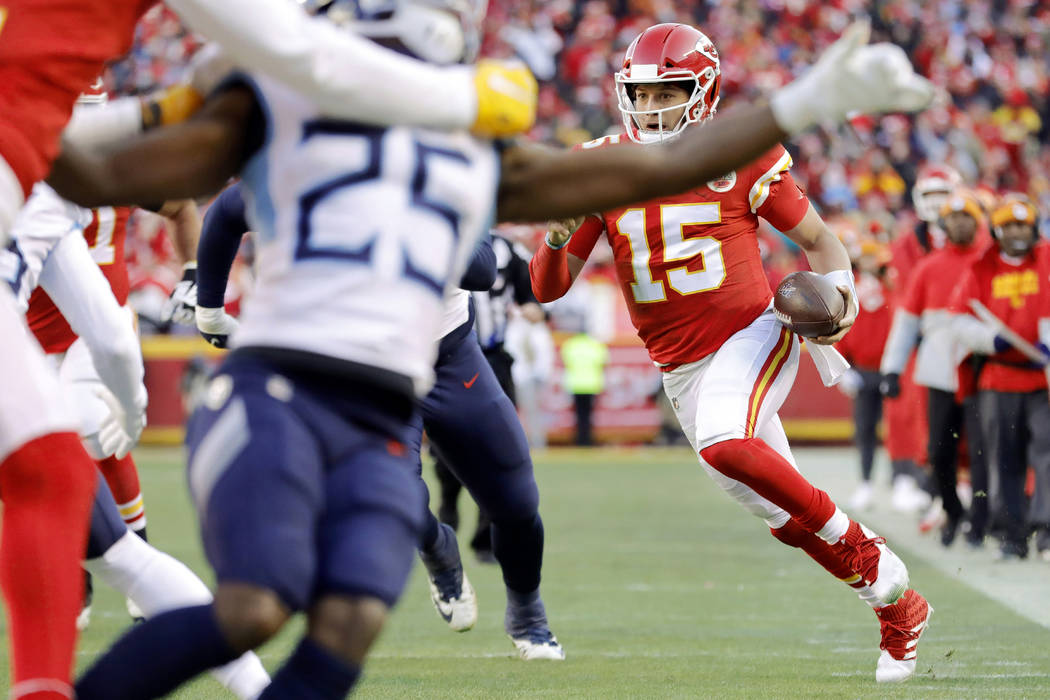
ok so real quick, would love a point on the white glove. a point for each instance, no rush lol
(215, 325)
(183, 300)
(852, 76)
(122, 428)
(850, 383)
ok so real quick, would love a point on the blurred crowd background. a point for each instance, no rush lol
(993, 56)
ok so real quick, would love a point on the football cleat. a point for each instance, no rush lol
(901, 625)
(868, 556)
(454, 598)
(538, 643)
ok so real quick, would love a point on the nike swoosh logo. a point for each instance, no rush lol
(467, 385)
(446, 616)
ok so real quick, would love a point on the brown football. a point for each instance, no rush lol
(809, 304)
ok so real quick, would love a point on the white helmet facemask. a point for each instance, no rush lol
(634, 119)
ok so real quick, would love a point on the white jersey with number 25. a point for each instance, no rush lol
(359, 232)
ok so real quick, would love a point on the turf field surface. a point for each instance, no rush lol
(660, 587)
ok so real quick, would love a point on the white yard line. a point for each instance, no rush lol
(1024, 586)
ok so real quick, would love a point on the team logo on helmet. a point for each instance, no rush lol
(724, 183)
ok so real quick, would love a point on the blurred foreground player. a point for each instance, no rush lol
(50, 51)
(323, 517)
(103, 378)
(690, 270)
(1011, 280)
(471, 424)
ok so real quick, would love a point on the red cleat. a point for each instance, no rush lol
(901, 624)
(868, 556)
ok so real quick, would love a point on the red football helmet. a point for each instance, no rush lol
(932, 187)
(669, 53)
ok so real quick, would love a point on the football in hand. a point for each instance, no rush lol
(809, 304)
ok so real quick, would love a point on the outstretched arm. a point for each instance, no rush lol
(350, 77)
(191, 159)
(541, 183)
(850, 75)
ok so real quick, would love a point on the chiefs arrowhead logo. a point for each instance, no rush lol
(724, 183)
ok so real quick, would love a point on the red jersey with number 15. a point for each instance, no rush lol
(689, 265)
(50, 52)
(105, 238)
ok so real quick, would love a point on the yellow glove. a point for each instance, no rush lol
(506, 98)
(174, 105)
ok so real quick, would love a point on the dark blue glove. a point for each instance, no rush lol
(890, 385)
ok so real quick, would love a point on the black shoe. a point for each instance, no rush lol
(1011, 551)
(974, 539)
(950, 530)
(1042, 540)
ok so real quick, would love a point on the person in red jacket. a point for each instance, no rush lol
(1012, 280)
(862, 347)
(905, 415)
(924, 312)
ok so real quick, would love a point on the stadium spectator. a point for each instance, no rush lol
(862, 347)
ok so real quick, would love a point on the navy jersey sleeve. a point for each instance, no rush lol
(224, 225)
(481, 272)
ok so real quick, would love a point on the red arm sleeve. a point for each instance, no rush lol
(786, 204)
(549, 268)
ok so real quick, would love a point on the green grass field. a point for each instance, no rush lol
(659, 587)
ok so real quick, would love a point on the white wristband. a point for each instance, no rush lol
(547, 240)
(843, 278)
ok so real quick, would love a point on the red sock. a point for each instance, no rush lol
(754, 463)
(794, 535)
(122, 477)
(47, 486)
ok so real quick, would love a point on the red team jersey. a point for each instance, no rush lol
(689, 265)
(105, 238)
(50, 52)
(936, 276)
(1019, 295)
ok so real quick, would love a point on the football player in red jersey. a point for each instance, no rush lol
(922, 320)
(1010, 279)
(690, 270)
